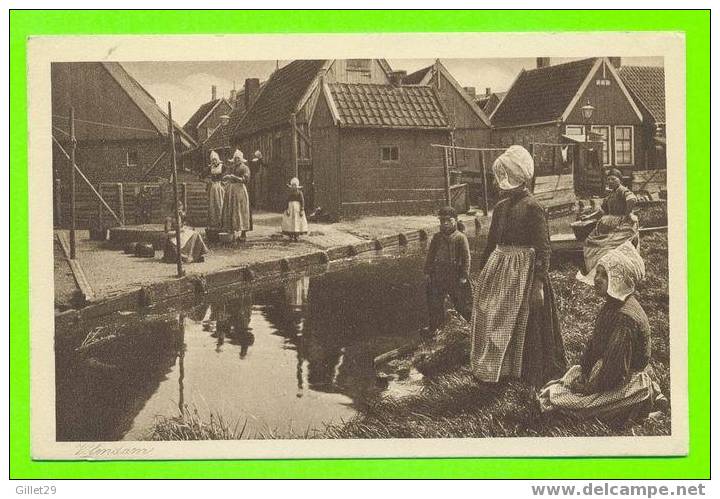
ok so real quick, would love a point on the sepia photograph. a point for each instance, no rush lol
(459, 253)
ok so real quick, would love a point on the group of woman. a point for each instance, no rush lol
(229, 207)
(228, 200)
(514, 322)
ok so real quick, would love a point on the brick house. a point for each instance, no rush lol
(277, 121)
(372, 151)
(646, 85)
(122, 133)
(543, 106)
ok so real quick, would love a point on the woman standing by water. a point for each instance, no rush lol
(516, 333)
(294, 222)
(216, 192)
(236, 216)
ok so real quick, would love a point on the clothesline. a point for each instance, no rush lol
(481, 149)
(108, 125)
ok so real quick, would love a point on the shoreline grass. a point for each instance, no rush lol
(451, 404)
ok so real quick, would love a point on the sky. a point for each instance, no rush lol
(188, 84)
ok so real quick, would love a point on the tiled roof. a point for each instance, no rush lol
(191, 125)
(543, 94)
(145, 101)
(278, 98)
(386, 106)
(646, 84)
(416, 77)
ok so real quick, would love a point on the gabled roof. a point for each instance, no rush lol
(145, 102)
(424, 76)
(278, 98)
(365, 105)
(647, 86)
(203, 112)
(543, 94)
(488, 103)
(418, 76)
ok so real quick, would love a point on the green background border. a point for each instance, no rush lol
(696, 26)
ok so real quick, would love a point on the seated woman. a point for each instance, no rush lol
(617, 224)
(612, 380)
(192, 246)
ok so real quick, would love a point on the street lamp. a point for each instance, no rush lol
(587, 112)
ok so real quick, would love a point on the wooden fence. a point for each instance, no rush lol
(136, 203)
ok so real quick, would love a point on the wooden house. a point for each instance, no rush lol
(372, 152)
(277, 122)
(542, 109)
(469, 125)
(122, 133)
(203, 123)
(646, 85)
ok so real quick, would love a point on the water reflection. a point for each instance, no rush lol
(288, 357)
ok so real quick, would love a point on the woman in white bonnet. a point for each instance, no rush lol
(216, 192)
(236, 216)
(516, 333)
(613, 379)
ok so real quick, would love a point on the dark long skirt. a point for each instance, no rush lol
(544, 351)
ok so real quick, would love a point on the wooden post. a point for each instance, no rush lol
(293, 125)
(73, 144)
(121, 202)
(532, 155)
(171, 131)
(485, 189)
(447, 175)
(58, 202)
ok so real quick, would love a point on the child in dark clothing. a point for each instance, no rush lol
(447, 267)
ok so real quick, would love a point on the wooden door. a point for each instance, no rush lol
(306, 177)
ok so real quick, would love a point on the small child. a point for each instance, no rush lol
(294, 222)
(447, 267)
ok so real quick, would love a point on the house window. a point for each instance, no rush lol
(624, 145)
(574, 130)
(131, 158)
(604, 133)
(389, 154)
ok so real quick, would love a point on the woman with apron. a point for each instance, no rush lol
(515, 330)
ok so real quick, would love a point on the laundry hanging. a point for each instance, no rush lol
(564, 154)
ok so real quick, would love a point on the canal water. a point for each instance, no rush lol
(281, 360)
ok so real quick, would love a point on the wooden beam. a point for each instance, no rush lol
(178, 227)
(92, 187)
(155, 163)
(293, 122)
(73, 145)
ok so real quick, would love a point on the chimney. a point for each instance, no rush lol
(488, 91)
(543, 62)
(214, 92)
(470, 91)
(397, 77)
(233, 97)
(615, 61)
(252, 85)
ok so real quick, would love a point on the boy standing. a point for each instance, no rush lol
(447, 267)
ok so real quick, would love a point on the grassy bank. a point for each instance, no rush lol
(451, 403)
